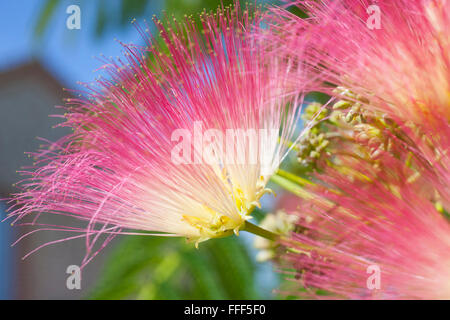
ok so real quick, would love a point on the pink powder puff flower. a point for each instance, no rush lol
(117, 170)
(401, 63)
(393, 217)
(382, 239)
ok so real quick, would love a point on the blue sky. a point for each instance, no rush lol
(68, 54)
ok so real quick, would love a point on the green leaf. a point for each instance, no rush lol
(44, 17)
(170, 268)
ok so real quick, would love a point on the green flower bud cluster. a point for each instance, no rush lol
(313, 142)
(351, 107)
(347, 125)
(315, 112)
(373, 139)
(311, 146)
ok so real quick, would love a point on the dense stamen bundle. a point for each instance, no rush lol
(117, 170)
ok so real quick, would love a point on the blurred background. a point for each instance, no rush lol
(40, 56)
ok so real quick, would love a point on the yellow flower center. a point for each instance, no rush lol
(216, 225)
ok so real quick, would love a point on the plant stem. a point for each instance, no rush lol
(252, 228)
(291, 186)
(294, 178)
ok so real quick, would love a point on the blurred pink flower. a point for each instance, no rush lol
(382, 198)
(403, 67)
(363, 218)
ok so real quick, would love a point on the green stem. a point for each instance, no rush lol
(294, 178)
(290, 186)
(252, 228)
